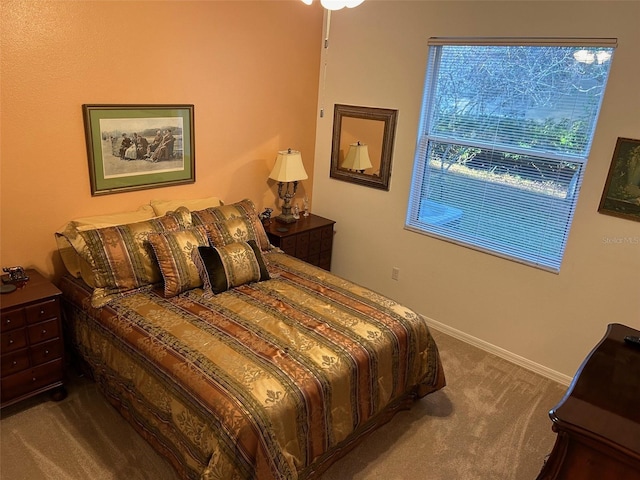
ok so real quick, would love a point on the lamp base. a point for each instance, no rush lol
(286, 218)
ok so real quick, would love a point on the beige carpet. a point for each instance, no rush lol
(489, 423)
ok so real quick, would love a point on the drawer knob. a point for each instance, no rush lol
(11, 341)
(14, 363)
(41, 312)
(33, 379)
(46, 352)
(8, 321)
(44, 331)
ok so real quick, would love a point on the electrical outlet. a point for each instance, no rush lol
(395, 273)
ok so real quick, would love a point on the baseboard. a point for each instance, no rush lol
(500, 352)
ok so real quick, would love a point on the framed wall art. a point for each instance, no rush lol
(621, 196)
(134, 147)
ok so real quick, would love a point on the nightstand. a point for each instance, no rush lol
(309, 239)
(32, 345)
(598, 420)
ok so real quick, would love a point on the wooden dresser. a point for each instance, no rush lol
(32, 349)
(598, 420)
(309, 239)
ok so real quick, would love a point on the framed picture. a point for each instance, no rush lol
(133, 147)
(621, 196)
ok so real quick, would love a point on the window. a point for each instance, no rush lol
(505, 135)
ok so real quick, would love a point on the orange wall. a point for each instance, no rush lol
(250, 68)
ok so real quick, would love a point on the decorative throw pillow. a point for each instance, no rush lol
(121, 257)
(173, 253)
(222, 268)
(233, 230)
(247, 225)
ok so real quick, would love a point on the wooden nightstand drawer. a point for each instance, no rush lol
(289, 245)
(41, 332)
(42, 311)
(309, 239)
(31, 379)
(325, 260)
(13, 340)
(315, 235)
(31, 345)
(15, 362)
(326, 245)
(302, 245)
(45, 352)
(314, 248)
(12, 319)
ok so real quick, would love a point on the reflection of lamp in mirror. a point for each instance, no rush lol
(357, 158)
(287, 171)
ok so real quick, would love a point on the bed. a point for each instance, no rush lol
(231, 358)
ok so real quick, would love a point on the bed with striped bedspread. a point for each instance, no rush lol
(269, 380)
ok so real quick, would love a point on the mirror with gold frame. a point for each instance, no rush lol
(363, 145)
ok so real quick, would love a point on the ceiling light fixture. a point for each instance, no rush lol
(336, 4)
(589, 57)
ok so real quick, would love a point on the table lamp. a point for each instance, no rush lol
(287, 171)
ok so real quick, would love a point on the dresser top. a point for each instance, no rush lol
(302, 225)
(34, 290)
(604, 397)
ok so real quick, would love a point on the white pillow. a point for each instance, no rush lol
(161, 207)
(145, 212)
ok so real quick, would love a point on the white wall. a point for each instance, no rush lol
(377, 57)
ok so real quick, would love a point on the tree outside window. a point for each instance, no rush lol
(505, 136)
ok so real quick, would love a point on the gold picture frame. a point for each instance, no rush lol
(621, 195)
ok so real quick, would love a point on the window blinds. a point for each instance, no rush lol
(505, 133)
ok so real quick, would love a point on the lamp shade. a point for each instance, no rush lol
(357, 157)
(288, 167)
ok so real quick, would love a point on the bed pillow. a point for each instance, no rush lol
(232, 265)
(72, 250)
(160, 207)
(173, 253)
(121, 257)
(233, 230)
(144, 212)
(243, 225)
(70, 242)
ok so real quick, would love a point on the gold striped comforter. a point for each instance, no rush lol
(271, 380)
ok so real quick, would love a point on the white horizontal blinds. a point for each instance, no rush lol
(503, 210)
(420, 181)
(505, 133)
(519, 98)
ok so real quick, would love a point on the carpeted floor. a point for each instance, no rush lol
(489, 423)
